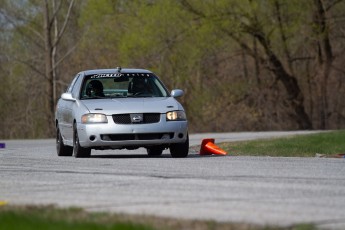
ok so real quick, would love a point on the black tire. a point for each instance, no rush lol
(61, 149)
(154, 151)
(79, 151)
(180, 150)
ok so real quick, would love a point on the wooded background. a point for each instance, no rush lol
(244, 65)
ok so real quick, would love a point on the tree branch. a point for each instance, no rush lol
(333, 4)
(65, 56)
(64, 24)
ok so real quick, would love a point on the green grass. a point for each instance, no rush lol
(52, 218)
(49, 218)
(328, 143)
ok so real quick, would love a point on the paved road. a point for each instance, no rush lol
(261, 190)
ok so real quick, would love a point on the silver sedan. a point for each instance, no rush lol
(120, 109)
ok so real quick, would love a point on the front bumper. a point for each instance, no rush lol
(116, 136)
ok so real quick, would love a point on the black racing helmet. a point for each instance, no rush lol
(94, 88)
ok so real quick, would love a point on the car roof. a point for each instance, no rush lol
(115, 70)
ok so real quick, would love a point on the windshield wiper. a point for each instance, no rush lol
(141, 95)
(94, 97)
(117, 96)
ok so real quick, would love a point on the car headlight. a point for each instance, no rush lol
(92, 118)
(178, 115)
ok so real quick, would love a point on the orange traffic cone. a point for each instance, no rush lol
(208, 148)
(203, 150)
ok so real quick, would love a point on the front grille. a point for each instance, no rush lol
(139, 136)
(148, 118)
(151, 117)
(122, 119)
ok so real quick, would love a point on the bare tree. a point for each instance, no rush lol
(52, 38)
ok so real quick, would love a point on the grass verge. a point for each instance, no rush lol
(52, 218)
(329, 143)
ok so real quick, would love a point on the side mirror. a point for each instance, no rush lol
(177, 93)
(67, 97)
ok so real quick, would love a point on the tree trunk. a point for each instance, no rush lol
(295, 95)
(325, 59)
(49, 105)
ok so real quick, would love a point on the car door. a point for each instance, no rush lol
(66, 114)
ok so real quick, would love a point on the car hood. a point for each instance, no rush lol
(131, 105)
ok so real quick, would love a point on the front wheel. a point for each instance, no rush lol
(79, 151)
(61, 149)
(180, 150)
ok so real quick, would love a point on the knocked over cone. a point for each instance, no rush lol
(330, 156)
(208, 148)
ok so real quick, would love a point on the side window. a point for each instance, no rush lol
(77, 85)
(70, 88)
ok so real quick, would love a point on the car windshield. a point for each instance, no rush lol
(122, 85)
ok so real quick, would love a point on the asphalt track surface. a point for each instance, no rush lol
(259, 190)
